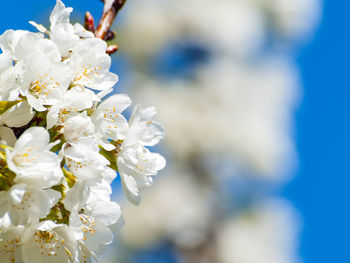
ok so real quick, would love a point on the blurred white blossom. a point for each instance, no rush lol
(231, 27)
(267, 233)
(240, 110)
(175, 209)
(223, 76)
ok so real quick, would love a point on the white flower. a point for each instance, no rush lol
(91, 65)
(11, 244)
(91, 217)
(142, 129)
(91, 232)
(66, 36)
(75, 100)
(40, 75)
(94, 200)
(32, 160)
(62, 32)
(136, 166)
(49, 242)
(26, 203)
(45, 81)
(108, 118)
(59, 19)
(78, 125)
(84, 160)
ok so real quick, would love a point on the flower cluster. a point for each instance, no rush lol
(61, 146)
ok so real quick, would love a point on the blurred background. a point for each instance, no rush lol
(253, 95)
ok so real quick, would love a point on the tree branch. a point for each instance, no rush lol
(108, 17)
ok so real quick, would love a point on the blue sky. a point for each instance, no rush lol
(321, 188)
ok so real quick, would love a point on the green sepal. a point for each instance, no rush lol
(60, 188)
(55, 135)
(58, 214)
(39, 119)
(4, 184)
(57, 147)
(111, 156)
(5, 105)
(2, 159)
(70, 178)
(6, 177)
(53, 215)
(90, 111)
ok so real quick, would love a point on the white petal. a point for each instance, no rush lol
(17, 192)
(109, 175)
(153, 133)
(17, 116)
(8, 136)
(37, 136)
(60, 14)
(117, 103)
(60, 244)
(82, 32)
(76, 196)
(107, 212)
(40, 27)
(64, 37)
(103, 236)
(9, 39)
(130, 189)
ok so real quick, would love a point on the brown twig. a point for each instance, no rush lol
(108, 17)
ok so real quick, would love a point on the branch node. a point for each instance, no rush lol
(110, 35)
(89, 22)
(112, 49)
(108, 17)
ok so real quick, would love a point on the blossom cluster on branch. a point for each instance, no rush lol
(61, 145)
